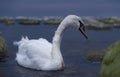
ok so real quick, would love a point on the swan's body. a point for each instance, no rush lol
(42, 55)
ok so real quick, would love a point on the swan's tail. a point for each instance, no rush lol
(23, 40)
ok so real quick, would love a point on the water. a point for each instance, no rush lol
(42, 8)
(74, 46)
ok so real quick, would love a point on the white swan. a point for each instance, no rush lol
(42, 55)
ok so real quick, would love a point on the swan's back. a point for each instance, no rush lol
(33, 53)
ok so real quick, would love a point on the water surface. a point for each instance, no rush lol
(42, 8)
(74, 46)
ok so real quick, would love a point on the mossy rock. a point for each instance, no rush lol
(3, 48)
(113, 21)
(111, 62)
(29, 22)
(52, 22)
(96, 55)
(7, 21)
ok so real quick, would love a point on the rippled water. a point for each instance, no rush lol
(74, 46)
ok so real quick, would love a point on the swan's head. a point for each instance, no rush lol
(76, 22)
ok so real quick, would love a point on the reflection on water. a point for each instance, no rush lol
(74, 46)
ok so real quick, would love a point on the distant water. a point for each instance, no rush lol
(74, 47)
(41, 8)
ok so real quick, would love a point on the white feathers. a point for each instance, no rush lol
(33, 53)
(23, 40)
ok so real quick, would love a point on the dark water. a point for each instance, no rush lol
(74, 46)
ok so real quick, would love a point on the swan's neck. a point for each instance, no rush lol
(56, 54)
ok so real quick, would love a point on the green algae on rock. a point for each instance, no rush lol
(3, 48)
(111, 62)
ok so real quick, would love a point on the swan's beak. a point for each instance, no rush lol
(82, 30)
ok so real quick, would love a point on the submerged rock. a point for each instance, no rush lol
(111, 62)
(96, 54)
(3, 48)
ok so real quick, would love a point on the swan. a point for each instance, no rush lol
(40, 54)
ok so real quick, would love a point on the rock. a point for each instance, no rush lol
(111, 62)
(3, 48)
(7, 21)
(29, 22)
(112, 21)
(94, 24)
(96, 54)
(52, 21)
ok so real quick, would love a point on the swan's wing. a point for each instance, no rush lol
(33, 53)
(40, 48)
